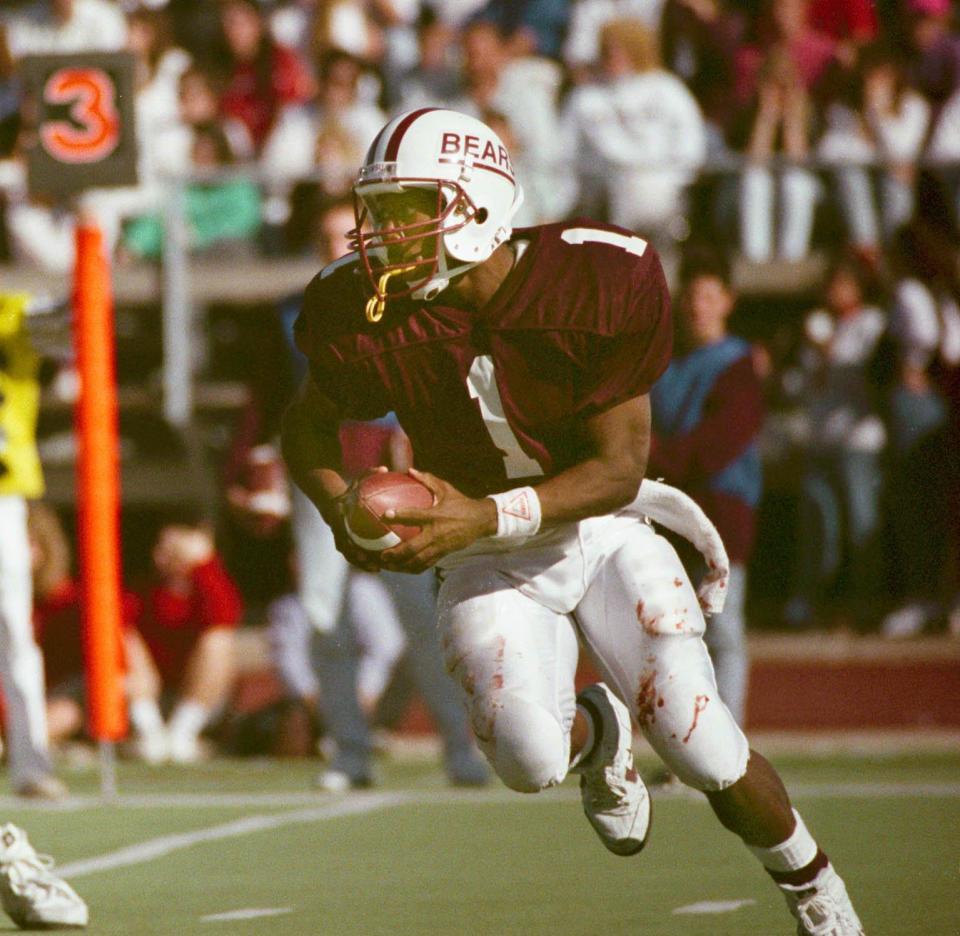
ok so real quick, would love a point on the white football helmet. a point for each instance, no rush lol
(477, 195)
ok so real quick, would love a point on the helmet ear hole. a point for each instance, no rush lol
(481, 216)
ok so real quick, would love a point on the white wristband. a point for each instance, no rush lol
(518, 513)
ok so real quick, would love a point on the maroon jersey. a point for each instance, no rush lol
(489, 397)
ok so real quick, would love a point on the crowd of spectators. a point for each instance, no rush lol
(754, 120)
(765, 128)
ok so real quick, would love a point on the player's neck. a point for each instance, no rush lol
(477, 286)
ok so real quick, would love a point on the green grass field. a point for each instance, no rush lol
(185, 846)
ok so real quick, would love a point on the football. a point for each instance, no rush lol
(375, 494)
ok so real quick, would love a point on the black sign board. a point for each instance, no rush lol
(80, 120)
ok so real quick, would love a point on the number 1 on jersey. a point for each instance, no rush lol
(482, 385)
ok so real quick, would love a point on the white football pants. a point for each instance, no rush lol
(21, 665)
(637, 617)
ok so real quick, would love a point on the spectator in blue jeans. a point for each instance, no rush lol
(924, 340)
(707, 412)
(840, 492)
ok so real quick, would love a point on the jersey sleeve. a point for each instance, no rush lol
(626, 362)
(318, 334)
(305, 332)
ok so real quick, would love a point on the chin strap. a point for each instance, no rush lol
(436, 284)
(377, 303)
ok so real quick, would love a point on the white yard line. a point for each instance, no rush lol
(249, 913)
(713, 906)
(495, 794)
(155, 848)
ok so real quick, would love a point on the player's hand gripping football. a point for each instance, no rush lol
(453, 522)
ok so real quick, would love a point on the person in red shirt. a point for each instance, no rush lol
(178, 638)
(263, 77)
(182, 644)
(784, 27)
(778, 76)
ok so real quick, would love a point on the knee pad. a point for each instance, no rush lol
(526, 746)
(711, 767)
(719, 776)
(689, 726)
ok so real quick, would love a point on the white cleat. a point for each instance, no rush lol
(184, 748)
(823, 907)
(31, 894)
(339, 781)
(615, 799)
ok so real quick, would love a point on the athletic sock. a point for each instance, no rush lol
(796, 861)
(594, 733)
(146, 717)
(188, 719)
(805, 876)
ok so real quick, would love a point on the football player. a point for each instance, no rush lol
(519, 364)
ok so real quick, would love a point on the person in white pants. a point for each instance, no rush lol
(780, 197)
(342, 617)
(21, 665)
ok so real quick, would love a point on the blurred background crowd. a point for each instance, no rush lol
(634, 110)
(818, 423)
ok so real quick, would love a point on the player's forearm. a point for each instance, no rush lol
(591, 488)
(607, 480)
(312, 454)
